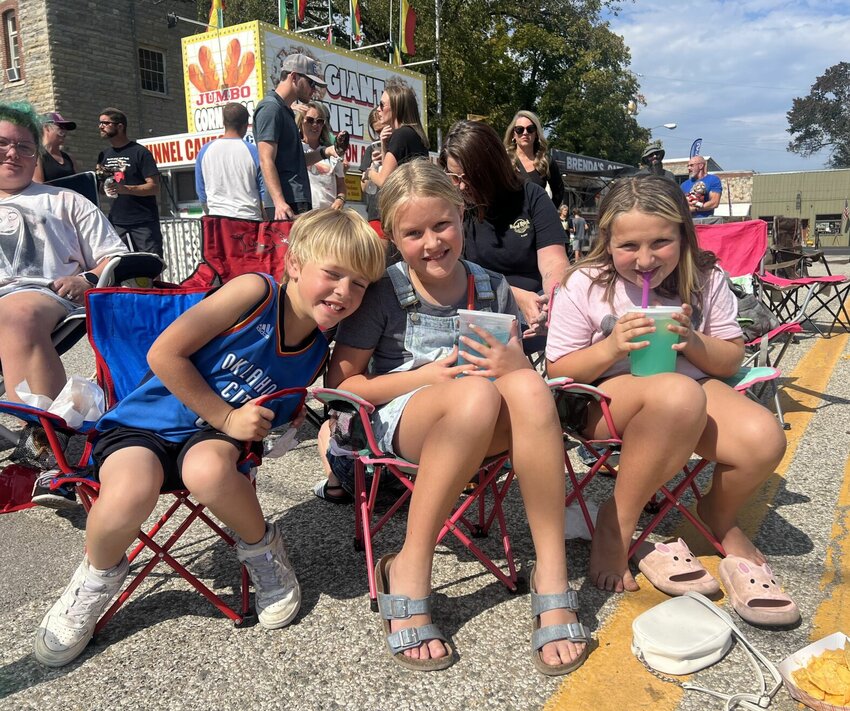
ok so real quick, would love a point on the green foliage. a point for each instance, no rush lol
(559, 59)
(822, 119)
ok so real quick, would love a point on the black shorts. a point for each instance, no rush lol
(170, 454)
(145, 237)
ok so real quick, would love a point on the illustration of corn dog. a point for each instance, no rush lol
(231, 63)
(246, 66)
(208, 69)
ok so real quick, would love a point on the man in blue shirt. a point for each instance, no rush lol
(702, 190)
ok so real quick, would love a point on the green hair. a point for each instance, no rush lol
(21, 113)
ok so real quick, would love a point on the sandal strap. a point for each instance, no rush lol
(573, 631)
(412, 637)
(401, 607)
(555, 601)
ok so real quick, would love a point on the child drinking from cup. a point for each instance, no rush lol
(408, 330)
(645, 230)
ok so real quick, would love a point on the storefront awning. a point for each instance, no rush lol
(573, 163)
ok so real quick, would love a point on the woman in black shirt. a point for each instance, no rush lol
(511, 225)
(527, 148)
(402, 137)
(53, 162)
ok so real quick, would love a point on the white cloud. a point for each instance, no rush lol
(728, 71)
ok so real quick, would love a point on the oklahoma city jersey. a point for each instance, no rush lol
(240, 364)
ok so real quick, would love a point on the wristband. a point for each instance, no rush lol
(322, 152)
(341, 196)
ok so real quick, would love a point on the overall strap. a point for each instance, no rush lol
(404, 290)
(483, 286)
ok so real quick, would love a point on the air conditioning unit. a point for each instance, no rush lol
(13, 74)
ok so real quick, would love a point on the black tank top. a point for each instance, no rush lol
(53, 169)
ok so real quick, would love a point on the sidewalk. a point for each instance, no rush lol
(168, 648)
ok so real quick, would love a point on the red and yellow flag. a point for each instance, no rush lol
(302, 10)
(355, 19)
(407, 28)
(216, 14)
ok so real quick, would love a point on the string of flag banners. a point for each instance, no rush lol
(406, 43)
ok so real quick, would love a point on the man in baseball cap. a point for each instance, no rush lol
(302, 64)
(283, 161)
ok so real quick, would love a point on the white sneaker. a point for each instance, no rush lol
(276, 589)
(69, 625)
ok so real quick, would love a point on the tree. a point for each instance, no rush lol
(559, 59)
(822, 119)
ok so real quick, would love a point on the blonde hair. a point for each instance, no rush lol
(541, 145)
(658, 196)
(325, 135)
(339, 236)
(416, 178)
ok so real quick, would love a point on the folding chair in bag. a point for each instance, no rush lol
(741, 248)
(232, 246)
(571, 397)
(122, 325)
(472, 518)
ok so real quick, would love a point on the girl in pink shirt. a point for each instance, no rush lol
(645, 229)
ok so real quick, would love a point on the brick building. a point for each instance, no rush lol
(79, 56)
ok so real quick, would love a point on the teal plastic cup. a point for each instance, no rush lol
(497, 325)
(658, 356)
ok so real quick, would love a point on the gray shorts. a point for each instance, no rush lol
(385, 419)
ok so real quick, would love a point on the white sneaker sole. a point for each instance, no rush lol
(281, 618)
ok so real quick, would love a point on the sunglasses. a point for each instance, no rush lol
(456, 179)
(22, 148)
(519, 130)
(314, 121)
(107, 123)
(312, 83)
(381, 105)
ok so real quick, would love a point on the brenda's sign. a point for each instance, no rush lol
(575, 163)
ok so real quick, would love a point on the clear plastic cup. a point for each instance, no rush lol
(658, 356)
(497, 325)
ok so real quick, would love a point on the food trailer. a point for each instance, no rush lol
(242, 63)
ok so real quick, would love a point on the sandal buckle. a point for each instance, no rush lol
(409, 637)
(399, 608)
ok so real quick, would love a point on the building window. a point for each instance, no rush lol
(11, 46)
(828, 224)
(152, 70)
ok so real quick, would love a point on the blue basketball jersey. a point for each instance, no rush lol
(245, 362)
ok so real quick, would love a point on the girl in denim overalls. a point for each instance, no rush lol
(407, 329)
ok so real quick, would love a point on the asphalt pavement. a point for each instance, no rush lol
(168, 648)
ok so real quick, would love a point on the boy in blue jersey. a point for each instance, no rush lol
(187, 423)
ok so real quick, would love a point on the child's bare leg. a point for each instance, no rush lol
(529, 424)
(447, 429)
(660, 419)
(209, 472)
(747, 443)
(130, 480)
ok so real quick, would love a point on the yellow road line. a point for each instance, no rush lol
(612, 678)
(833, 614)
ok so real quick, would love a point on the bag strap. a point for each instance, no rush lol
(752, 702)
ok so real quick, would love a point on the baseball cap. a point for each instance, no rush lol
(302, 64)
(59, 120)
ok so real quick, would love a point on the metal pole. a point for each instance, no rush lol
(391, 31)
(439, 85)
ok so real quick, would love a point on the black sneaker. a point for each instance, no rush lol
(62, 497)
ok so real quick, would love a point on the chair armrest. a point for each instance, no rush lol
(132, 265)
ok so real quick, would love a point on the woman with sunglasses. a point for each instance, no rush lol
(327, 177)
(402, 137)
(528, 149)
(511, 225)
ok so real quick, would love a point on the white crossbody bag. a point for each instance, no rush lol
(685, 634)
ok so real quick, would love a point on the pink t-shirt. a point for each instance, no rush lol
(581, 316)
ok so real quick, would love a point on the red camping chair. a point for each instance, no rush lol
(741, 248)
(121, 338)
(231, 247)
(569, 394)
(471, 519)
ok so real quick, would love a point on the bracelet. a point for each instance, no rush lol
(341, 196)
(322, 152)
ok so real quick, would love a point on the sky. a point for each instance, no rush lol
(727, 72)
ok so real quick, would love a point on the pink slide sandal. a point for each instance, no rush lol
(755, 595)
(673, 569)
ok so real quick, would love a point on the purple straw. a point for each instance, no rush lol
(644, 297)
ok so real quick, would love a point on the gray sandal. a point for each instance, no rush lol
(400, 607)
(574, 631)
